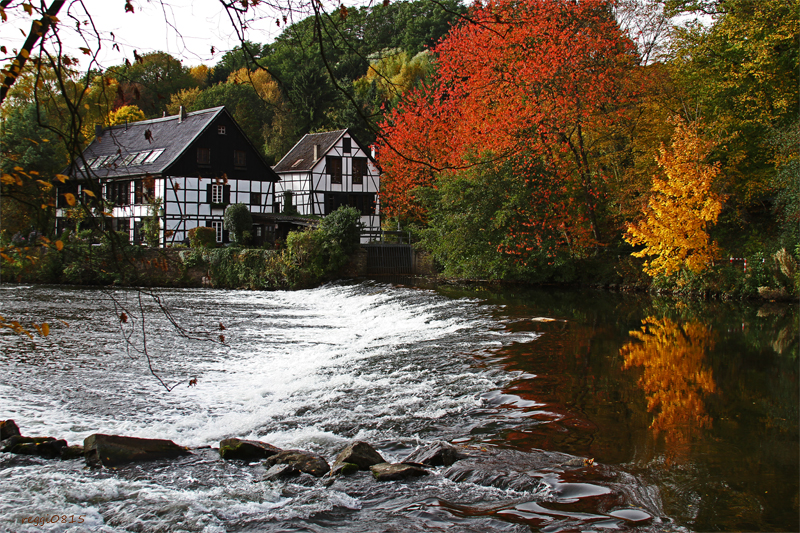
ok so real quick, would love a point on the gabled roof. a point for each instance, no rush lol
(301, 157)
(146, 147)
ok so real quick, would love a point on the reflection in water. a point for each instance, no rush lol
(674, 378)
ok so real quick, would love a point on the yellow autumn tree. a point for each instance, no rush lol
(125, 114)
(681, 207)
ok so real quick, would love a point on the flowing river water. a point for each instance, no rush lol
(689, 410)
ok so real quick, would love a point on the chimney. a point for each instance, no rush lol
(181, 114)
(98, 131)
(316, 152)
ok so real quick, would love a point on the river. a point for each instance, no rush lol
(689, 409)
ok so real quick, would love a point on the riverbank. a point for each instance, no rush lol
(308, 260)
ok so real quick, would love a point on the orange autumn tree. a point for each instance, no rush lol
(533, 83)
(682, 206)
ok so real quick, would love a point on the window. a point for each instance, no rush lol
(220, 130)
(217, 193)
(204, 156)
(119, 192)
(334, 165)
(99, 161)
(346, 146)
(359, 170)
(255, 198)
(217, 225)
(297, 163)
(239, 158)
(363, 202)
(153, 156)
(140, 157)
(127, 159)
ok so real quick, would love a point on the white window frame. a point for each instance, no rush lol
(217, 225)
(217, 193)
(221, 130)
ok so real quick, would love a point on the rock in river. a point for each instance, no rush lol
(392, 472)
(113, 450)
(47, 447)
(307, 462)
(247, 450)
(8, 429)
(359, 453)
(438, 453)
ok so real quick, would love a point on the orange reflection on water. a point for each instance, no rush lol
(674, 378)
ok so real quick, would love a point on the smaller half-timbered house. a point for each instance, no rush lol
(186, 168)
(324, 171)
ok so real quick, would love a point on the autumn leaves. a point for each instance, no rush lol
(534, 92)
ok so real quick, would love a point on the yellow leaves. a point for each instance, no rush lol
(62, 178)
(70, 198)
(28, 8)
(86, 51)
(43, 329)
(88, 192)
(681, 207)
(674, 377)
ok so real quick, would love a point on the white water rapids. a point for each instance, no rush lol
(313, 370)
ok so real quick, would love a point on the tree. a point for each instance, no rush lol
(125, 115)
(739, 76)
(544, 78)
(239, 222)
(682, 205)
(150, 80)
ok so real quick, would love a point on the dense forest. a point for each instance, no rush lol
(641, 141)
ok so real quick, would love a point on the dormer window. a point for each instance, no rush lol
(346, 146)
(220, 130)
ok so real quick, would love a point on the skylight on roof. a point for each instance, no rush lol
(296, 163)
(153, 156)
(140, 157)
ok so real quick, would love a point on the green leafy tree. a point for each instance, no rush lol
(249, 110)
(239, 222)
(30, 158)
(150, 81)
(739, 74)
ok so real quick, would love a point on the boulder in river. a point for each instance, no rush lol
(113, 450)
(47, 447)
(280, 472)
(437, 453)
(395, 471)
(308, 462)
(359, 453)
(246, 450)
(8, 429)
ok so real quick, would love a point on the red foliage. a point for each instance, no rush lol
(531, 77)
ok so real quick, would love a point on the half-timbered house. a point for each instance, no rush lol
(324, 171)
(185, 169)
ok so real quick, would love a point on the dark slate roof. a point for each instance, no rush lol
(137, 139)
(301, 157)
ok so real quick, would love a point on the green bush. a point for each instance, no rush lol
(239, 222)
(343, 227)
(202, 237)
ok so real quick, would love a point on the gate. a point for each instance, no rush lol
(384, 258)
